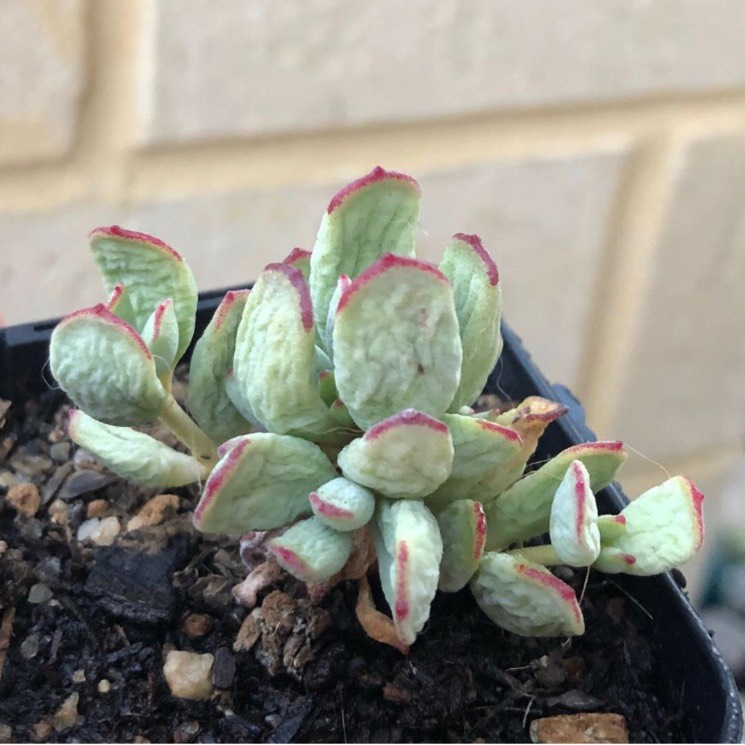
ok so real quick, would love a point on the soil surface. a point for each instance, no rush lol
(87, 628)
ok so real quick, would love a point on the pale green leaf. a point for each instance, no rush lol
(526, 598)
(161, 334)
(396, 341)
(664, 528)
(209, 399)
(407, 455)
(275, 354)
(483, 453)
(409, 547)
(134, 455)
(300, 259)
(105, 367)
(374, 215)
(478, 305)
(463, 528)
(524, 510)
(574, 518)
(343, 505)
(311, 551)
(150, 270)
(261, 482)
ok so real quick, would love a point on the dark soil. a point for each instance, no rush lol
(97, 621)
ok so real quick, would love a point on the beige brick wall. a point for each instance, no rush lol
(598, 148)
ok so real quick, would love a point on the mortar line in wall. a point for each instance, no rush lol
(626, 272)
(332, 156)
(107, 114)
(329, 155)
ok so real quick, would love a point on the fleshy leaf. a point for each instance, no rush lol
(664, 528)
(524, 510)
(463, 529)
(311, 551)
(328, 332)
(478, 305)
(300, 259)
(409, 548)
(134, 455)
(261, 482)
(526, 598)
(374, 215)
(211, 365)
(407, 455)
(275, 354)
(118, 303)
(529, 419)
(481, 450)
(611, 527)
(343, 505)
(150, 270)
(161, 335)
(396, 341)
(105, 367)
(574, 519)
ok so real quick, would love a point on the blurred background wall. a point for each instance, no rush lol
(597, 148)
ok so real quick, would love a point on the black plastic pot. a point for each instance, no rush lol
(693, 669)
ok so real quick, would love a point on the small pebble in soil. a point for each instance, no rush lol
(85, 460)
(104, 686)
(41, 730)
(580, 728)
(30, 464)
(30, 646)
(7, 479)
(60, 451)
(78, 676)
(96, 508)
(58, 512)
(24, 499)
(80, 483)
(154, 511)
(3, 547)
(189, 675)
(39, 594)
(196, 625)
(185, 732)
(223, 671)
(66, 717)
(6, 734)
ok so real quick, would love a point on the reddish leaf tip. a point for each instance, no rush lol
(297, 254)
(218, 477)
(289, 558)
(375, 176)
(475, 243)
(480, 517)
(384, 264)
(115, 231)
(329, 510)
(297, 280)
(102, 311)
(553, 583)
(401, 608)
(406, 418)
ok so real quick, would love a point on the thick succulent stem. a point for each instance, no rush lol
(545, 555)
(181, 424)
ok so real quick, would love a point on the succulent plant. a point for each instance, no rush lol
(330, 404)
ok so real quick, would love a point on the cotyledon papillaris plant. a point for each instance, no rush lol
(333, 400)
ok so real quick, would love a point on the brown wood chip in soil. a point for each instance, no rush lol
(115, 612)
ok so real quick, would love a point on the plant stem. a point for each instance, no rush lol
(545, 555)
(184, 427)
